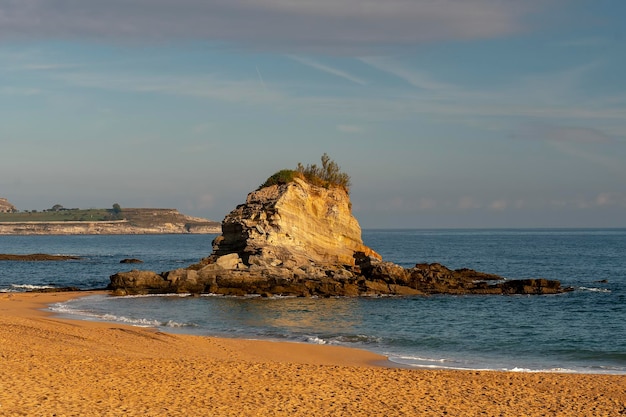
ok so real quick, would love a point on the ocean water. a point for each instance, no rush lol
(581, 331)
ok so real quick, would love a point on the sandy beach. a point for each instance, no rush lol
(56, 367)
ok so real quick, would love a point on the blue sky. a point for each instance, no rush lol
(446, 113)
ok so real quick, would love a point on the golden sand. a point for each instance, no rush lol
(56, 367)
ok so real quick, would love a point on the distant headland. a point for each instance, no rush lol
(59, 220)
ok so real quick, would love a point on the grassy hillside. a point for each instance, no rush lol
(60, 216)
(141, 217)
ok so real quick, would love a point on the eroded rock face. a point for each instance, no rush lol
(6, 206)
(292, 224)
(301, 239)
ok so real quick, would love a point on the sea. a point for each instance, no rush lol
(582, 331)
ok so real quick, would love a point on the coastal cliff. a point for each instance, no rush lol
(135, 221)
(299, 238)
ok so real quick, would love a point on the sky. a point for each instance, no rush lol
(445, 113)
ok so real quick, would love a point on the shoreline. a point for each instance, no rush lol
(53, 365)
(382, 360)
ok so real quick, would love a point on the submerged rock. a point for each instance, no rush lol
(131, 261)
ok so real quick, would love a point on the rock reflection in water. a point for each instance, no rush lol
(330, 316)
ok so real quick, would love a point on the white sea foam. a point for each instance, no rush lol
(593, 289)
(127, 320)
(359, 338)
(156, 295)
(441, 363)
(172, 323)
(31, 287)
(64, 308)
(547, 370)
(430, 363)
(316, 340)
(420, 359)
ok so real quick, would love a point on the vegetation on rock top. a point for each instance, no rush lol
(327, 175)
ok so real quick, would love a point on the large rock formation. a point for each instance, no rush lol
(292, 224)
(301, 239)
(6, 207)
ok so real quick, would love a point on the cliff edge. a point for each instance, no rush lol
(133, 221)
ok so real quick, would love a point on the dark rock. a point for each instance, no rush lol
(140, 282)
(131, 261)
(37, 257)
(55, 289)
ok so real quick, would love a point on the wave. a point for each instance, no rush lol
(359, 338)
(451, 364)
(315, 340)
(593, 289)
(183, 295)
(64, 308)
(31, 287)
(343, 339)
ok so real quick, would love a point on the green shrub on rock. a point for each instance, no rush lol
(329, 174)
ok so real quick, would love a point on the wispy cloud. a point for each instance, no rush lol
(602, 200)
(552, 133)
(601, 160)
(350, 129)
(498, 205)
(337, 25)
(20, 91)
(468, 203)
(415, 78)
(328, 69)
(210, 87)
(590, 42)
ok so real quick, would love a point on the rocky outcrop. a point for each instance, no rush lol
(37, 257)
(292, 224)
(301, 239)
(131, 261)
(6, 207)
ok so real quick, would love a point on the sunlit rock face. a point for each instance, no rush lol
(6, 206)
(293, 223)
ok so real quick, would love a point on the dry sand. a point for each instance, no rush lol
(55, 367)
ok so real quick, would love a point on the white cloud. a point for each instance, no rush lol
(339, 25)
(426, 203)
(498, 205)
(602, 200)
(468, 203)
(350, 129)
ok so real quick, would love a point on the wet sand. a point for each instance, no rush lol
(57, 367)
